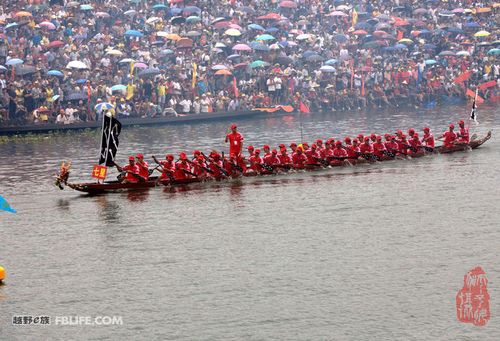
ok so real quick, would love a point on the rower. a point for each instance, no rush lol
(411, 132)
(132, 171)
(320, 148)
(267, 151)
(168, 167)
(449, 136)
(199, 166)
(415, 144)
(327, 151)
(373, 138)
(143, 166)
(284, 158)
(216, 165)
(391, 145)
(256, 161)
(353, 152)
(182, 168)
(361, 138)
(250, 150)
(293, 147)
(402, 145)
(338, 152)
(312, 155)
(463, 134)
(379, 149)
(299, 159)
(366, 147)
(272, 159)
(428, 139)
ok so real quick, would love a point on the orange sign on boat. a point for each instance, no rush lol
(99, 172)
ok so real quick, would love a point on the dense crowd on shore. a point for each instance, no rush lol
(60, 60)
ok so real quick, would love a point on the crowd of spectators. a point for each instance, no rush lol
(60, 59)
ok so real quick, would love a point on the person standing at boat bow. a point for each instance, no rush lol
(235, 140)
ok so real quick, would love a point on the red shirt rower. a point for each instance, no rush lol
(463, 134)
(366, 147)
(299, 159)
(182, 168)
(312, 155)
(143, 166)
(428, 139)
(379, 147)
(235, 140)
(168, 166)
(132, 171)
(256, 161)
(402, 145)
(284, 157)
(416, 144)
(272, 159)
(215, 164)
(353, 152)
(391, 145)
(449, 136)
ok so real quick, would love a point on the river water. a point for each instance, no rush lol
(374, 252)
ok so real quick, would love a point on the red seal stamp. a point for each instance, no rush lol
(473, 300)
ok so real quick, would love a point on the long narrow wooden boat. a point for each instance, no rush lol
(112, 186)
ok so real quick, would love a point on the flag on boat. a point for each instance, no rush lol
(473, 116)
(303, 108)
(111, 129)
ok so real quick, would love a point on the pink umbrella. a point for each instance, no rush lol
(222, 24)
(235, 26)
(458, 10)
(337, 14)
(48, 25)
(288, 4)
(140, 65)
(380, 34)
(242, 47)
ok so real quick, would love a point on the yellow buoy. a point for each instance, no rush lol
(2, 274)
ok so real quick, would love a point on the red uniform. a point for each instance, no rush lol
(198, 168)
(416, 144)
(352, 151)
(449, 138)
(255, 162)
(464, 135)
(143, 169)
(285, 159)
(391, 146)
(299, 160)
(379, 149)
(428, 140)
(366, 148)
(169, 168)
(130, 171)
(311, 156)
(216, 166)
(180, 168)
(402, 146)
(271, 160)
(235, 143)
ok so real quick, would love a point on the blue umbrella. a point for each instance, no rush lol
(118, 87)
(166, 52)
(472, 25)
(160, 6)
(400, 47)
(331, 62)
(425, 31)
(362, 26)
(2, 68)
(193, 19)
(234, 56)
(341, 38)
(191, 9)
(258, 63)
(430, 62)
(494, 51)
(453, 30)
(11, 25)
(259, 46)
(86, 7)
(133, 33)
(264, 37)
(308, 53)
(14, 61)
(81, 81)
(55, 73)
(103, 106)
(429, 46)
(256, 27)
(272, 29)
(176, 11)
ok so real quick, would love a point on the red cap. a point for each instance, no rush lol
(313, 146)
(373, 136)
(200, 158)
(282, 145)
(461, 122)
(330, 140)
(300, 149)
(360, 136)
(140, 156)
(393, 137)
(367, 139)
(183, 156)
(347, 139)
(257, 151)
(169, 157)
(131, 158)
(274, 151)
(283, 149)
(250, 147)
(415, 135)
(355, 141)
(338, 143)
(403, 136)
(305, 144)
(234, 126)
(411, 130)
(293, 144)
(196, 152)
(265, 146)
(452, 126)
(379, 138)
(318, 141)
(426, 129)
(399, 132)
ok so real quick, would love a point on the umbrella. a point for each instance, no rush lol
(327, 68)
(73, 4)
(184, 42)
(405, 41)
(55, 97)
(284, 60)
(259, 46)
(126, 60)
(272, 29)
(133, 33)
(114, 53)
(420, 11)
(223, 72)
(219, 19)
(11, 25)
(233, 56)
(177, 20)
(222, 24)
(152, 20)
(159, 7)
(303, 36)
(193, 19)
(118, 87)
(430, 46)
(256, 27)
(166, 52)
(55, 43)
(76, 64)
(337, 14)
(103, 106)
(14, 61)
(219, 67)
(56, 73)
(247, 9)
(472, 25)
(22, 70)
(463, 53)
(482, 34)
(447, 53)
(362, 32)
(220, 45)
(102, 15)
(86, 7)
(274, 47)
(81, 81)
(130, 12)
(191, 9)
(232, 32)
(75, 96)
(430, 62)
(21, 14)
(258, 63)
(331, 62)
(494, 51)
(242, 47)
(140, 65)
(341, 38)
(315, 58)
(458, 10)
(2, 68)
(288, 4)
(193, 34)
(362, 26)
(48, 25)
(149, 72)
(265, 37)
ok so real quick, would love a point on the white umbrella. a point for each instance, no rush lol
(114, 53)
(76, 64)
(327, 68)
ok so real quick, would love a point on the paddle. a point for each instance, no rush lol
(208, 170)
(322, 161)
(165, 170)
(137, 176)
(267, 167)
(222, 170)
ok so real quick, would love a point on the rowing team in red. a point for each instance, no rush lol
(331, 152)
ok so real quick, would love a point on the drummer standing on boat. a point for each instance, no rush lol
(235, 140)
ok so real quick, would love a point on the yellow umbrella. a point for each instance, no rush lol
(171, 36)
(232, 32)
(23, 14)
(483, 10)
(114, 53)
(405, 41)
(482, 34)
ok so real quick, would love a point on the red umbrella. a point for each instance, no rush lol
(288, 4)
(55, 43)
(222, 24)
(270, 16)
(360, 32)
(184, 42)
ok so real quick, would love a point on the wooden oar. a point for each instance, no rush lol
(222, 170)
(208, 170)
(164, 170)
(322, 161)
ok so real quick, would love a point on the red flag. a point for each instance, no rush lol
(303, 108)
(463, 77)
(472, 94)
(487, 85)
(235, 88)
(400, 35)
